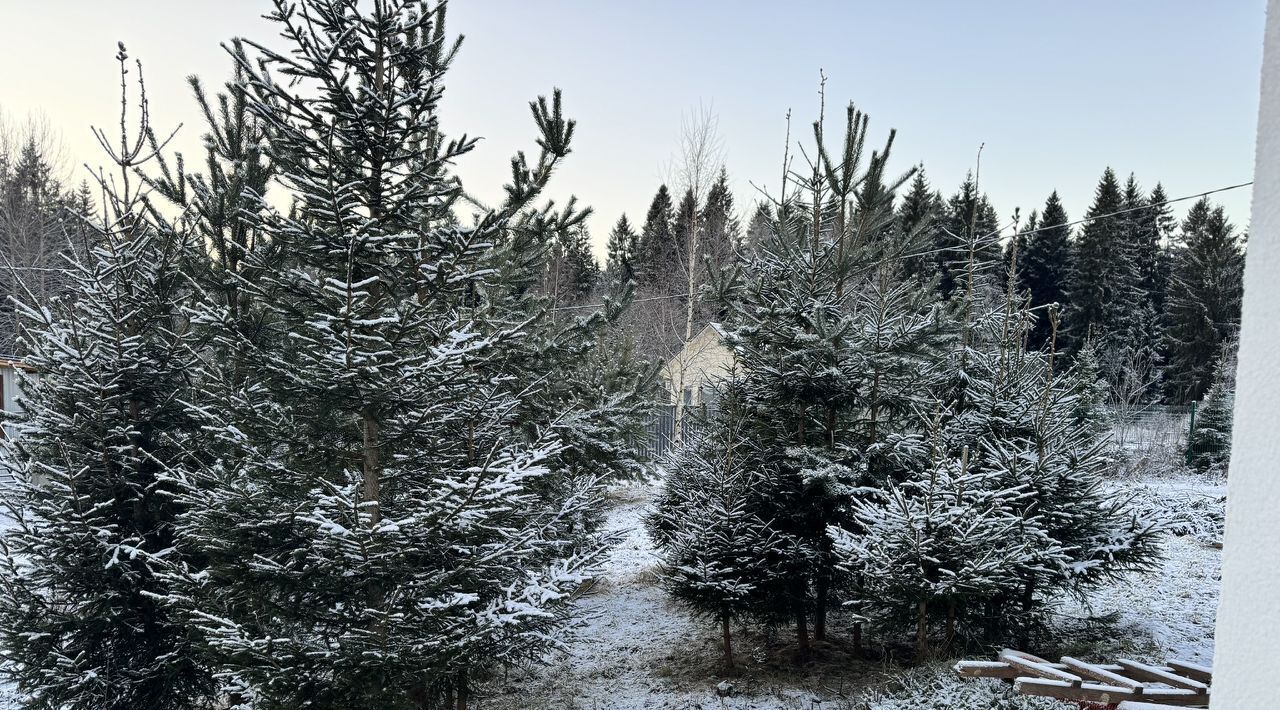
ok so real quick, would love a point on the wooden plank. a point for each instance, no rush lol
(1096, 672)
(1000, 669)
(1108, 694)
(1142, 671)
(984, 669)
(1194, 671)
(1038, 667)
(1024, 655)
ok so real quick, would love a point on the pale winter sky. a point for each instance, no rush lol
(1167, 89)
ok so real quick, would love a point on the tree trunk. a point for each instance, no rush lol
(951, 625)
(728, 643)
(464, 692)
(857, 639)
(922, 631)
(372, 474)
(802, 631)
(820, 613)
(1028, 600)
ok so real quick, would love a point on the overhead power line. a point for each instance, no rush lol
(1094, 218)
(1128, 210)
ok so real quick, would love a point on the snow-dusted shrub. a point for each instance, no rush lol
(937, 687)
(1184, 513)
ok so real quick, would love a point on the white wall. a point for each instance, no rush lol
(1248, 634)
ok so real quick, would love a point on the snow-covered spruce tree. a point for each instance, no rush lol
(384, 518)
(720, 558)
(1038, 432)
(930, 545)
(1209, 446)
(82, 618)
(824, 340)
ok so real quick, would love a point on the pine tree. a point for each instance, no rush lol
(1203, 306)
(719, 224)
(682, 228)
(966, 219)
(34, 231)
(1104, 286)
(656, 251)
(84, 568)
(916, 214)
(622, 252)
(758, 229)
(572, 273)
(1209, 446)
(382, 519)
(1045, 266)
(1165, 226)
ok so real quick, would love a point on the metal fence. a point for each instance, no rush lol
(662, 438)
(1150, 426)
(1138, 428)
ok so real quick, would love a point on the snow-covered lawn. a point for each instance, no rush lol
(638, 650)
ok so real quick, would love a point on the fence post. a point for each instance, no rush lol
(1191, 430)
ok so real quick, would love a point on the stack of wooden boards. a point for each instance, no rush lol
(1134, 685)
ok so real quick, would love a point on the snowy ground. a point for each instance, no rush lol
(638, 650)
(1169, 613)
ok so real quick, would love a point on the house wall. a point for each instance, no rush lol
(11, 391)
(1248, 628)
(705, 362)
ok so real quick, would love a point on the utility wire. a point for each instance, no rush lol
(990, 234)
(1126, 211)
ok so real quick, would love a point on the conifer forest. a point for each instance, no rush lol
(300, 420)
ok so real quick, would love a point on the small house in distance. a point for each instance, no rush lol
(10, 388)
(697, 372)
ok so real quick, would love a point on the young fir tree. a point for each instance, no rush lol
(234, 183)
(1044, 266)
(720, 558)
(1202, 310)
(382, 519)
(620, 267)
(1035, 431)
(1209, 446)
(927, 546)
(802, 343)
(94, 510)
